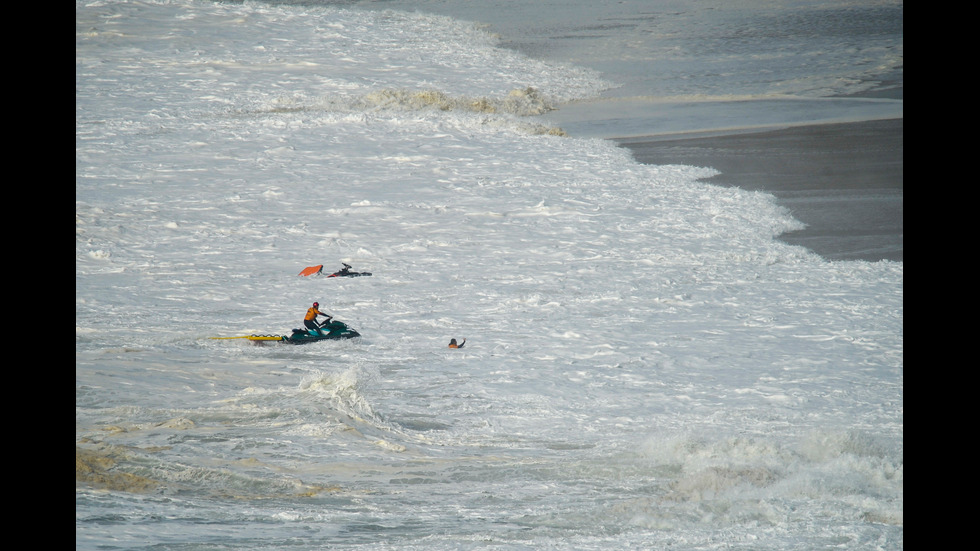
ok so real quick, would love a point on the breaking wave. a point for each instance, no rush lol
(525, 102)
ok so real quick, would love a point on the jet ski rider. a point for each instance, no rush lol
(310, 320)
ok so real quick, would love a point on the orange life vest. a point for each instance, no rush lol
(312, 313)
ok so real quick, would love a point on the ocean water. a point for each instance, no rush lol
(683, 66)
(646, 366)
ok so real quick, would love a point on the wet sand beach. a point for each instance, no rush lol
(844, 181)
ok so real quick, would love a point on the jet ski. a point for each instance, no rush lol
(345, 272)
(329, 330)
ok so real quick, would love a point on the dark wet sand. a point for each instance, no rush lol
(844, 181)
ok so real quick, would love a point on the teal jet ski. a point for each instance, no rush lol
(329, 330)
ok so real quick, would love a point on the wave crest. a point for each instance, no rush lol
(521, 102)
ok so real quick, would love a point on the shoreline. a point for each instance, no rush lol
(843, 180)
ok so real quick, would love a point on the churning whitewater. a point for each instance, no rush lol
(646, 366)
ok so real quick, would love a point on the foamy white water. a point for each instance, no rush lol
(681, 66)
(645, 365)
